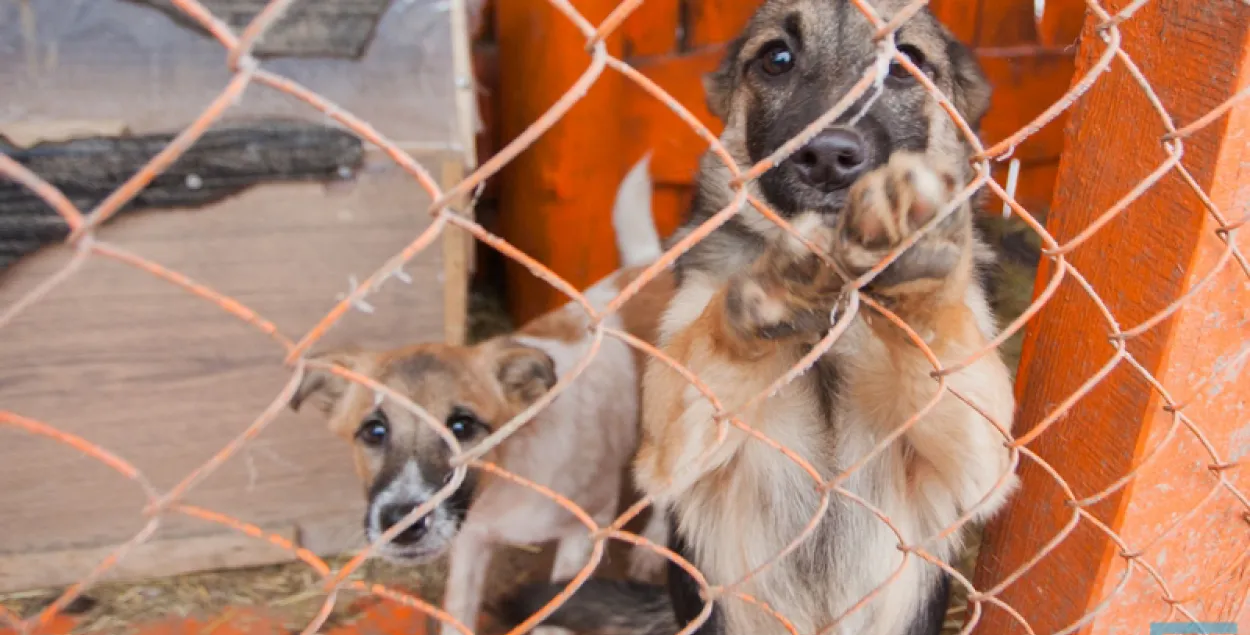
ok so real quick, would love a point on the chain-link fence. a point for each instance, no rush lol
(1216, 280)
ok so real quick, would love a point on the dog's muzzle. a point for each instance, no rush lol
(392, 514)
(833, 160)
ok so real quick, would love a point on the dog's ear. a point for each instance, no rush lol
(972, 89)
(718, 85)
(322, 388)
(524, 372)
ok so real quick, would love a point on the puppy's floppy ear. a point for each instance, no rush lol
(718, 85)
(322, 388)
(972, 89)
(524, 372)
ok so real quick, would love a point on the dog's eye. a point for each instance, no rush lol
(898, 71)
(462, 424)
(776, 58)
(374, 431)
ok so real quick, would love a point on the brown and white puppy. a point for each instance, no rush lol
(751, 302)
(579, 446)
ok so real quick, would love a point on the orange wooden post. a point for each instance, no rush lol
(1061, 22)
(1173, 518)
(556, 198)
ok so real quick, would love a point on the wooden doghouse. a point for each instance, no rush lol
(275, 208)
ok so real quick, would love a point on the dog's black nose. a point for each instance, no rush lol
(832, 160)
(392, 514)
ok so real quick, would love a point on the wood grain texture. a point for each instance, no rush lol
(457, 254)
(166, 379)
(157, 557)
(1195, 56)
(326, 28)
(225, 161)
(115, 60)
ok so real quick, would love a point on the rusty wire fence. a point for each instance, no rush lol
(247, 71)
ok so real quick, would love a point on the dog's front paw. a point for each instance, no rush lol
(891, 204)
(789, 289)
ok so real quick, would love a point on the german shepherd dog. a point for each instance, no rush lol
(751, 301)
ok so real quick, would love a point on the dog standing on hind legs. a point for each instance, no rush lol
(751, 302)
(579, 446)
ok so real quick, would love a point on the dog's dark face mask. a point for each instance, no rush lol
(798, 58)
(404, 461)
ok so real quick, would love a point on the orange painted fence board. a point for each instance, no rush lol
(1172, 518)
(556, 197)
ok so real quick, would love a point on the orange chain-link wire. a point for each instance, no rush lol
(248, 71)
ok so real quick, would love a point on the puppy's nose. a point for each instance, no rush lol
(832, 160)
(392, 514)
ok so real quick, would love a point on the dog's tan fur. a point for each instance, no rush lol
(751, 301)
(740, 332)
(578, 446)
(943, 466)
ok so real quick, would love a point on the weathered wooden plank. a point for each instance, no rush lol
(1141, 262)
(960, 16)
(224, 162)
(154, 558)
(654, 28)
(1061, 22)
(717, 21)
(325, 28)
(166, 379)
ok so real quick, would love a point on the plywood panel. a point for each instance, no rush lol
(165, 379)
(108, 59)
(156, 557)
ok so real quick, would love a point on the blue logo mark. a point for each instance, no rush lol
(1193, 628)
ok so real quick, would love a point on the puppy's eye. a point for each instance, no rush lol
(462, 424)
(898, 71)
(776, 58)
(374, 431)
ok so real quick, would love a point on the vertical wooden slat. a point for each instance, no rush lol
(1024, 86)
(1195, 55)
(1005, 23)
(556, 197)
(674, 147)
(718, 21)
(960, 16)
(654, 28)
(1061, 22)
(457, 255)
